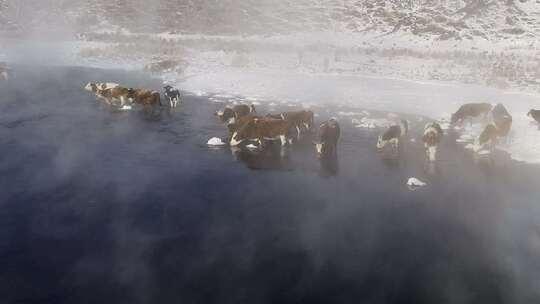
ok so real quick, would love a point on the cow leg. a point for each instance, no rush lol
(298, 132)
(283, 139)
(395, 144)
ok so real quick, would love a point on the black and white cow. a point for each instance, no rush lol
(392, 135)
(329, 133)
(534, 114)
(433, 134)
(173, 95)
(470, 111)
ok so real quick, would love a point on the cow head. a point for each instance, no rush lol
(131, 93)
(530, 113)
(488, 136)
(380, 143)
(167, 88)
(225, 115)
(319, 149)
(455, 118)
(91, 87)
(235, 140)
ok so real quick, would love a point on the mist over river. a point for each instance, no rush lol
(102, 206)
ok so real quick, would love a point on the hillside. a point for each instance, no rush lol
(458, 19)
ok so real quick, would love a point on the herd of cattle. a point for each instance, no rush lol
(245, 125)
(114, 94)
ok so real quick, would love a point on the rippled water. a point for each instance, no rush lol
(98, 206)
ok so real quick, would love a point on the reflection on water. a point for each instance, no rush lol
(329, 165)
(105, 207)
(273, 157)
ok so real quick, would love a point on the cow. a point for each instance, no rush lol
(173, 95)
(262, 129)
(144, 97)
(4, 73)
(433, 134)
(95, 86)
(534, 114)
(299, 120)
(114, 94)
(502, 120)
(329, 132)
(237, 111)
(392, 135)
(98, 88)
(487, 137)
(470, 111)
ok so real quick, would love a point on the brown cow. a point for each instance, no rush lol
(502, 120)
(470, 110)
(261, 129)
(237, 111)
(114, 94)
(298, 120)
(144, 97)
(235, 124)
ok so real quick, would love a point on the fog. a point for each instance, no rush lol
(131, 207)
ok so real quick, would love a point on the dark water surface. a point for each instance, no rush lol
(99, 206)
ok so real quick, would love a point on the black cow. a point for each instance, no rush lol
(329, 133)
(534, 114)
(173, 95)
(433, 134)
(393, 134)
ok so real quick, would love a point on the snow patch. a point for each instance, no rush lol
(414, 183)
(215, 141)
